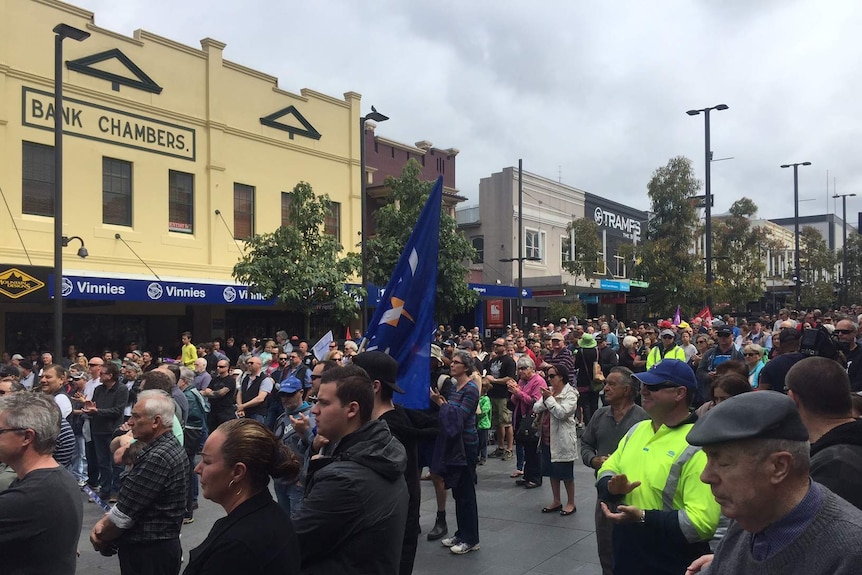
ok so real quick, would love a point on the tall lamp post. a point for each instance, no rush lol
(796, 271)
(844, 247)
(708, 195)
(61, 31)
(374, 116)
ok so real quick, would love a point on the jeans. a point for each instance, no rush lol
(79, 460)
(257, 417)
(289, 497)
(105, 462)
(483, 443)
(519, 456)
(464, 494)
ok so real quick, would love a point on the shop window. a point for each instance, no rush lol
(479, 245)
(243, 211)
(181, 195)
(37, 189)
(332, 222)
(116, 192)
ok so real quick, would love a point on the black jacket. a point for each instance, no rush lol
(255, 538)
(836, 461)
(355, 508)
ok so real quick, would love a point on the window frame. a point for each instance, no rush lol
(30, 191)
(529, 249)
(109, 195)
(480, 252)
(333, 228)
(188, 206)
(243, 188)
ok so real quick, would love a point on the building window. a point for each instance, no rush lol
(565, 248)
(243, 211)
(332, 221)
(285, 208)
(37, 189)
(479, 245)
(116, 192)
(534, 244)
(181, 202)
(619, 266)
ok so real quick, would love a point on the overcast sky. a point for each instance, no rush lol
(592, 93)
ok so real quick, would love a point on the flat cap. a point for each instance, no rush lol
(758, 415)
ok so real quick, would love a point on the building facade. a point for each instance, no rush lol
(548, 209)
(173, 155)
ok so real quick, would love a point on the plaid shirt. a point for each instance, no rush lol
(153, 495)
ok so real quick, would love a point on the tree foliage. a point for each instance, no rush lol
(853, 272)
(396, 220)
(817, 269)
(666, 257)
(561, 308)
(299, 264)
(584, 260)
(738, 253)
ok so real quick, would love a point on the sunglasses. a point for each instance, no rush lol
(751, 354)
(843, 331)
(659, 386)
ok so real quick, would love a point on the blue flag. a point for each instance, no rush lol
(403, 323)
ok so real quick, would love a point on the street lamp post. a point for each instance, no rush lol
(708, 195)
(796, 271)
(844, 247)
(61, 31)
(374, 116)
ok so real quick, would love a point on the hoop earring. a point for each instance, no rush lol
(230, 486)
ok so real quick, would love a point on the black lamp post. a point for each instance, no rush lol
(708, 195)
(374, 116)
(61, 31)
(796, 270)
(844, 246)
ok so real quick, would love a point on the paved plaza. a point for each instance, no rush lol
(516, 538)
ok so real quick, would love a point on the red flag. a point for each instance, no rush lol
(348, 333)
(706, 315)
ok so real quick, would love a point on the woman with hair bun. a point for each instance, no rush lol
(256, 536)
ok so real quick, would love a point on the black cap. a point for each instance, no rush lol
(380, 366)
(9, 371)
(755, 415)
(789, 334)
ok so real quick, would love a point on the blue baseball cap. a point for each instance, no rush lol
(290, 385)
(671, 371)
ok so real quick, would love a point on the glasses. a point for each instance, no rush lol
(843, 331)
(95, 364)
(331, 345)
(282, 359)
(667, 337)
(520, 367)
(221, 366)
(751, 354)
(2, 431)
(462, 363)
(313, 377)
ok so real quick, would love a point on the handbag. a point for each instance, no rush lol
(598, 381)
(528, 428)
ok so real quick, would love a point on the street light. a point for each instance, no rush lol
(844, 246)
(520, 260)
(374, 116)
(796, 269)
(708, 195)
(82, 251)
(61, 31)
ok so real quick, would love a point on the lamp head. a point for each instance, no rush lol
(376, 116)
(82, 252)
(805, 164)
(785, 165)
(66, 31)
(722, 107)
(693, 112)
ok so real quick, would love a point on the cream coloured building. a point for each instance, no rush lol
(176, 149)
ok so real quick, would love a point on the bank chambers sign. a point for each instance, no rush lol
(103, 124)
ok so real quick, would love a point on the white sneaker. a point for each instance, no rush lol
(463, 548)
(450, 541)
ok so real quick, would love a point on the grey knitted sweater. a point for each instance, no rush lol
(831, 545)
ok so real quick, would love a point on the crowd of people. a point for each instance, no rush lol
(702, 437)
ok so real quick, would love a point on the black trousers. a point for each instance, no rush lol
(532, 462)
(157, 558)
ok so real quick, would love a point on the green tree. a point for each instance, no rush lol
(817, 264)
(738, 261)
(584, 261)
(853, 272)
(666, 259)
(395, 222)
(300, 265)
